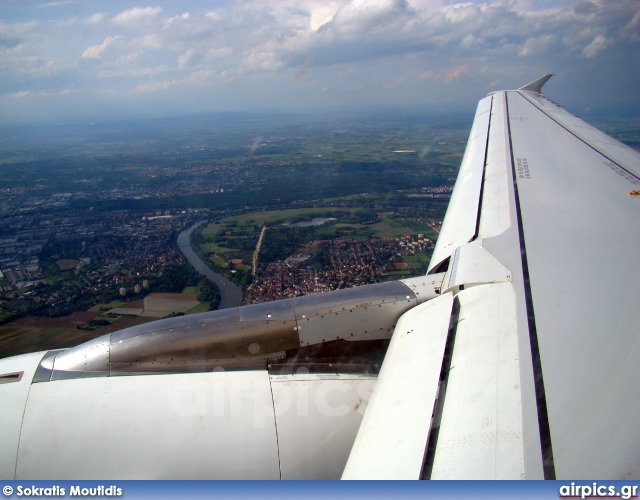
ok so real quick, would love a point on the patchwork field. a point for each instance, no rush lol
(229, 238)
(34, 334)
(158, 305)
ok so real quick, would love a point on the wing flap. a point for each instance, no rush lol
(480, 434)
(393, 436)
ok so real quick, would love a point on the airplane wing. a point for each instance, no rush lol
(515, 357)
(535, 333)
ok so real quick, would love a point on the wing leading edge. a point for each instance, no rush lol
(540, 366)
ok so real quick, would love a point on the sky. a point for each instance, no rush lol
(90, 60)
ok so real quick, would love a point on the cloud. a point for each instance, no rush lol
(171, 20)
(154, 86)
(455, 73)
(597, 44)
(184, 58)
(97, 51)
(133, 17)
(536, 45)
(363, 16)
(96, 18)
(369, 50)
(631, 29)
(57, 4)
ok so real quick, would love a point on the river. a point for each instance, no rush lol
(230, 293)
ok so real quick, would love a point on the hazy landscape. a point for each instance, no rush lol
(91, 211)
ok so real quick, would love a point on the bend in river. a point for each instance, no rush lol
(230, 293)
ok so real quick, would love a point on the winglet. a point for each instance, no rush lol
(536, 86)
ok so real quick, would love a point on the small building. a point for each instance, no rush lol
(123, 291)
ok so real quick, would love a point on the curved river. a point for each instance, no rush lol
(230, 293)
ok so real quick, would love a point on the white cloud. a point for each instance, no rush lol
(597, 44)
(184, 58)
(455, 73)
(96, 51)
(362, 16)
(536, 45)
(56, 4)
(631, 30)
(133, 17)
(470, 41)
(171, 20)
(151, 41)
(154, 87)
(361, 47)
(96, 18)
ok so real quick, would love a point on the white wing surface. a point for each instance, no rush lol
(540, 246)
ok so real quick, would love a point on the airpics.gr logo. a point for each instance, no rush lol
(596, 490)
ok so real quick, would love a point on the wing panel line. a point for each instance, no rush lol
(548, 465)
(432, 442)
(275, 421)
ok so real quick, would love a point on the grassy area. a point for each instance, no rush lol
(110, 305)
(417, 257)
(5, 315)
(66, 264)
(110, 319)
(239, 234)
(217, 260)
(402, 272)
(211, 247)
(270, 217)
(189, 289)
(200, 308)
(386, 230)
(248, 225)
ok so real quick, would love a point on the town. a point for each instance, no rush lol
(57, 264)
(350, 263)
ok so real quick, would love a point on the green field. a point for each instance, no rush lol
(417, 257)
(110, 305)
(240, 230)
(202, 307)
(236, 237)
(249, 225)
(283, 216)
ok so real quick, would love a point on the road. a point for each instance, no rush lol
(257, 251)
(230, 293)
